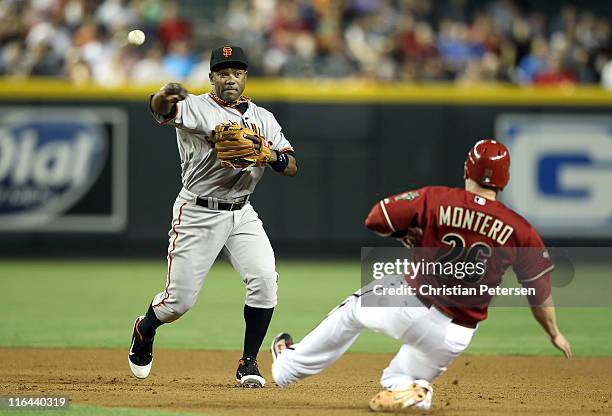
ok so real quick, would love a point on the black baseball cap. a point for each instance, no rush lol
(228, 56)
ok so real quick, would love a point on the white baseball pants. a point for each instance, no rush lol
(197, 236)
(431, 342)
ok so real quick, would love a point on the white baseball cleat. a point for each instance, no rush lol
(140, 357)
(417, 396)
(280, 342)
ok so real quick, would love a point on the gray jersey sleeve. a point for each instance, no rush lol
(277, 137)
(185, 115)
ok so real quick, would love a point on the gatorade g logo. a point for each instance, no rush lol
(48, 162)
(227, 51)
(561, 172)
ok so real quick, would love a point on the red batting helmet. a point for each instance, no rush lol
(488, 164)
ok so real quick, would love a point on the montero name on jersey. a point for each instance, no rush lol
(476, 221)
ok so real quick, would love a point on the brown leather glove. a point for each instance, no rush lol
(240, 147)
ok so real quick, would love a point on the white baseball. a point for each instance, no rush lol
(136, 37)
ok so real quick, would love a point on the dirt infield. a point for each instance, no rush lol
(201, 381)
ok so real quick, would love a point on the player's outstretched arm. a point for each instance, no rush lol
(290, 169)
(165, 99)
(546, 317)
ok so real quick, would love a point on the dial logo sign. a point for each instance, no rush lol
(49, 160)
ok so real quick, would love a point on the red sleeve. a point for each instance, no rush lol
(397, 213)
(542, 288)
(532, 259)
(533, 266)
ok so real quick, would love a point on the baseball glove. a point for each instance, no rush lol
(240, 147)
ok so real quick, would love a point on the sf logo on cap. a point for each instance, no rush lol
(227, 51)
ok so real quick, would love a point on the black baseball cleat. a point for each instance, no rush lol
(248, 375)
(280, 342)
(140, 357)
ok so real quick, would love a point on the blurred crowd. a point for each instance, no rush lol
(459, 41)
(86, 41)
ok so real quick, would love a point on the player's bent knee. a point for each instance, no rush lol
(261, 271)
(261, 292)
(264, 301)
(173, 309)
(182, 309)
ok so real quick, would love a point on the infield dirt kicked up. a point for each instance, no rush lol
(202, 381)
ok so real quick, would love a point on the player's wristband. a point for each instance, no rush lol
(282, 161)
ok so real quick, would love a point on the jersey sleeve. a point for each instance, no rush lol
(533, 265)
(277, 137)
(186, 115)
(395, 214)
(532, 259)
(541, 287)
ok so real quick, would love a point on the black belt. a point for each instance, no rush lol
(223, 206)
(428, 304)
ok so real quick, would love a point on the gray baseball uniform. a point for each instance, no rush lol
(200, 233)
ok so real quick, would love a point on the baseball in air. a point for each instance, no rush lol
(136, 37)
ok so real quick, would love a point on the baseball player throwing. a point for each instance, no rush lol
(225, 142)
(434, 330)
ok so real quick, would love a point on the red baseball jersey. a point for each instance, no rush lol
(460, 225)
